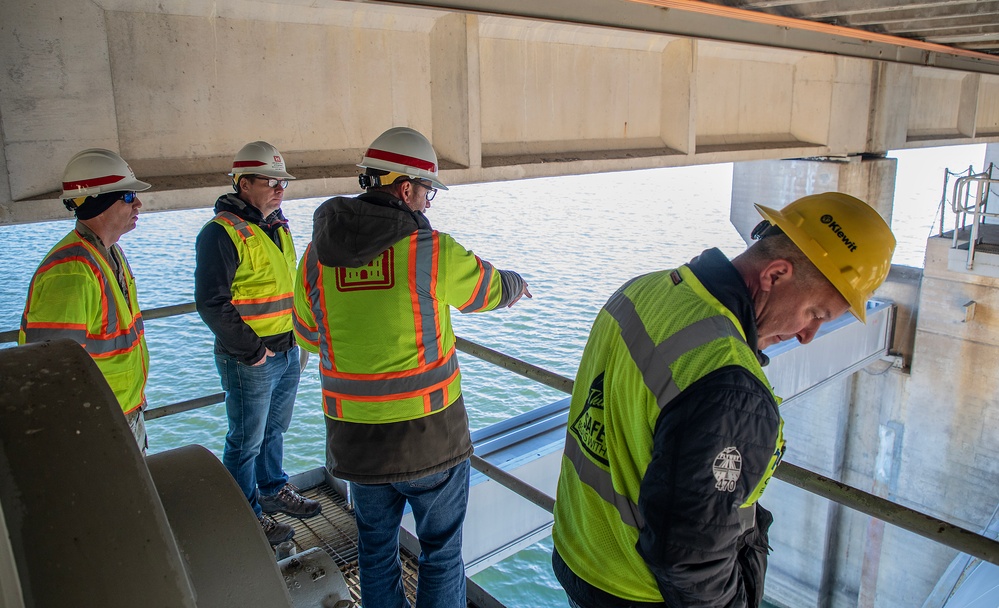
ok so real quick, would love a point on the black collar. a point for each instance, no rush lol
(724, 282)
(386, 199)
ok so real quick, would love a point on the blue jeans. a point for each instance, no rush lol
(258, 402)
(438, 502)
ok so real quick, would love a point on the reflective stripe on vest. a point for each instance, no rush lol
(423, 249)
(270, 313)
(436, 369)
(117, 345)
(480, 298)
(653, 361)
(111, 341)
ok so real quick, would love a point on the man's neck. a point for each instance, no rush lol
(101, 231)
(264, 213)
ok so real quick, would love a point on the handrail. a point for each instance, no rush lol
(162, 312)
(924, 525)
(964, 203)
(513, 483)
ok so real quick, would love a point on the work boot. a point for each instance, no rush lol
(290, 502)
(275, 531)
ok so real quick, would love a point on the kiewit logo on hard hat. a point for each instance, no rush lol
(277, 159)
(835, 227)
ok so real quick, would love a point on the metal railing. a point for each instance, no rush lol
(971, 198)
(924, 525)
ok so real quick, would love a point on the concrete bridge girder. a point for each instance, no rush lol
(179, 87)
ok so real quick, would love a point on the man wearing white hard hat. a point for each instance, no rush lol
(373, 297)
(84, 290)
(243, 290)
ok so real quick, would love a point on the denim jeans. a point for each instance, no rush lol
(258, 402)
(438, 502)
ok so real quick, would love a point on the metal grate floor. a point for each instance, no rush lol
(335, 532)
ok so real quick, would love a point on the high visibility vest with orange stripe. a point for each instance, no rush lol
(383, 331)
(74, 294)
(262, 290)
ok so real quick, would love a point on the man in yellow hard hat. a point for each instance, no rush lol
(243, 291)
(84, 290)
(674, 430)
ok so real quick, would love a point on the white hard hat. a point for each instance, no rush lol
(260, 158)
(96, 171)
(403, 150)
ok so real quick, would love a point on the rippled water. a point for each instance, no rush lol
(574, 239)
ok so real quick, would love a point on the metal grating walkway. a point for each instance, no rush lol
(334, 530)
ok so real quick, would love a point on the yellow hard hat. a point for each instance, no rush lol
(847, 240)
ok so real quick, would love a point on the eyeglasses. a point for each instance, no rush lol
(431, 191)
(128, 197)
(273, 183)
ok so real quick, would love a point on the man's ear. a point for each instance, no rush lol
(405, 190)
(774, 272)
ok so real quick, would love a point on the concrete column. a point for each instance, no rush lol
(775, 183)
(819, 428)
(891, 94)
(967, 109)
(678, 92)
(56, 96)
(454, 65)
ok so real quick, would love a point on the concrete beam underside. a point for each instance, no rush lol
(178, 89)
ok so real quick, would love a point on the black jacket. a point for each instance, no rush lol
(691, 541)
(216, 263)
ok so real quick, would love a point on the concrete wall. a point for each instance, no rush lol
(177, 87)
(918, 429)
(777, 183)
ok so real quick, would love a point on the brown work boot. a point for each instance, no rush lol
(275, 531)
(290, 502)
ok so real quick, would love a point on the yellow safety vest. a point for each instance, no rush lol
(262, 290)
(74, 294)
(656, 336)
(383, 330)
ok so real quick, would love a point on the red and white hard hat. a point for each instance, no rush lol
(260, 158)
(405, 151)
(96, 171)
